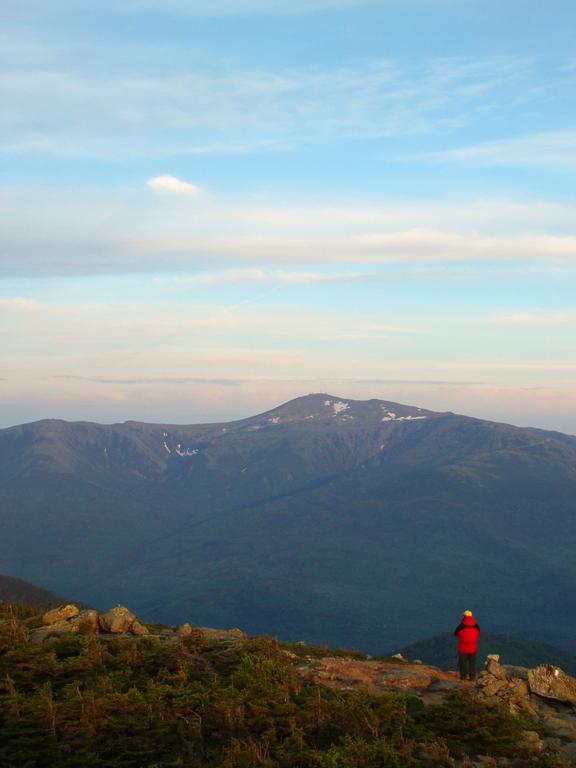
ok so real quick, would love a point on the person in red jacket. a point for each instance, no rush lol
(467, 633)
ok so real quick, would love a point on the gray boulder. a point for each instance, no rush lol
(497, 686)
(552, 683)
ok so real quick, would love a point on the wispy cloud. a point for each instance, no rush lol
(31, 254)
(539, 365)
(183, 380)
(205, 109)
(552, 149)
(50, 232)
(265, 277)
(536, 318)
(111, 326)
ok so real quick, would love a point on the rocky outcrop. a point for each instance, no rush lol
(540, 696)
(57, 615)
(87, 621)
(519, 687)
(377, 677)
(120, 621)
(69, 620)
(56, 629)
(552, 683)
(546, 694)
(497, 686)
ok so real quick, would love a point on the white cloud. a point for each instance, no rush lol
(170, 185)
(411, 246)
(266, 277)
(46, 231)
(552, 149)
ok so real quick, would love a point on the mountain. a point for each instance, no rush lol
(516, 651)
(359, 524)
(14, 590)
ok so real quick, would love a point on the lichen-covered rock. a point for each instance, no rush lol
(86, 621)
(185, 630)
(56, 629)
(494, 667)
(496, 686)
(519, 701)
(552, 683)
(491, 686)
(138, 628)
(62, 613)
(119, 621)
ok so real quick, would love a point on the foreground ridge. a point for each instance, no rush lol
(93, 689)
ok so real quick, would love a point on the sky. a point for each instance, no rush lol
(207, 209)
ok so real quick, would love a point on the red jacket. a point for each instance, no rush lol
(467, 633)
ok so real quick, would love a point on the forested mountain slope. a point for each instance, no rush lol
(366, 524)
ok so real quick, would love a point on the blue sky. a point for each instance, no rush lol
(209, 208)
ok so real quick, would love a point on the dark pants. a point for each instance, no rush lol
(467, 665)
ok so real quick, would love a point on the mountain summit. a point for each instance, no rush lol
(323, 407)
(355, 523)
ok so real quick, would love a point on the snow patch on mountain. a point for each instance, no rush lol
(391, 416)
(178, 449)
(338, 406)
(411, 418)
(186, 451)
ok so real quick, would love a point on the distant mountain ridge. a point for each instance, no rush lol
(352, 523)
(516, 651)
(14, 590)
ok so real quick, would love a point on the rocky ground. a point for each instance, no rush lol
(117, 622)
(545, 695)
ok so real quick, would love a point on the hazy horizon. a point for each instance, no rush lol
(231, 415)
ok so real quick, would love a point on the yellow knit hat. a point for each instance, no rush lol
(467, 613)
